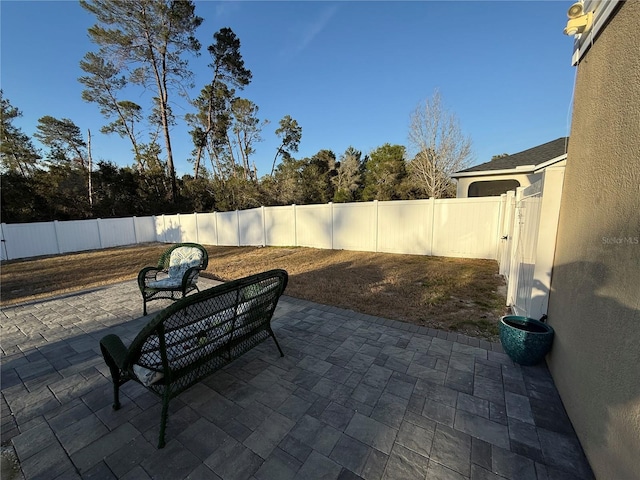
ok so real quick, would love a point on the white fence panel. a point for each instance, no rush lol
(404, 227)
(172, 229)
(251, 227)
(188, 227)
(29, 240)
(280, 226)
(207, 231)
(115, 232)
(313, 226)
(159, 228)
(354, 226)
(78, 235)
(145, 229)
(228, 228)
(466, 228)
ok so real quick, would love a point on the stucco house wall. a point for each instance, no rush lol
(594, 305)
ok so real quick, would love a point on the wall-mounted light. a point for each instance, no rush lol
(579, 22)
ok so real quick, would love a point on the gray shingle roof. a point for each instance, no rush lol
(532, 156)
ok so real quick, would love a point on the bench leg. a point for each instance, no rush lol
(116, 395)
(163, 420)
(115, 377)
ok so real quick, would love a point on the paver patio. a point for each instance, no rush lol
(355, 396)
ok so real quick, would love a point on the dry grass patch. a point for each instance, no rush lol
(461, 295)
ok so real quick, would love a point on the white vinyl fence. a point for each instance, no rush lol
(467, 228)
(517, 229)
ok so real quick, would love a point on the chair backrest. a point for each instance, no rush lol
(182, 259)
(166, 259)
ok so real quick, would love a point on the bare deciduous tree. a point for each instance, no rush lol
(440, 147)
(348, 179)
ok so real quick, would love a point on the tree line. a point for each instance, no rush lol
(144, 46)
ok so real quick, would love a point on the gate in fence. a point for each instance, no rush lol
(529, 220)
(526, 221)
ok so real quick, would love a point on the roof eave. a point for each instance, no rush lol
(511, 171)
(548, 163)
(486, 173)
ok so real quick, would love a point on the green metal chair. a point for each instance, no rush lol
(175, 275)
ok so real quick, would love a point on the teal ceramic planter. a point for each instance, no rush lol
(524, 339)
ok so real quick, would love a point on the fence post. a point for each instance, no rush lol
(195, 220)
(264, 226)
(215, 221)
(501, 219)
(331, 217)
(432, 213)
(99, 232)
(295, 226)
(135, 233)
(238, 225)
(55, 231)
(375, 225)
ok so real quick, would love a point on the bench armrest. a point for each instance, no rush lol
(114, 351)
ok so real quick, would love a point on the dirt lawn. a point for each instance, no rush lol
(459, 295)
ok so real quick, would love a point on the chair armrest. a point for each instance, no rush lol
(190, 276)
(146, 275)
(114, 351)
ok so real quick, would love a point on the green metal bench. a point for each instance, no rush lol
(196, 336)
(176, 274)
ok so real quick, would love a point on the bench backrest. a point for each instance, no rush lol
(202, 332)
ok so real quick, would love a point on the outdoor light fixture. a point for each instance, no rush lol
(579, 22)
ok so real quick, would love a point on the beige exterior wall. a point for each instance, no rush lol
(595, 291)
(525, 180)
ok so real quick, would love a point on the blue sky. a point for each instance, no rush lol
(350, 73)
